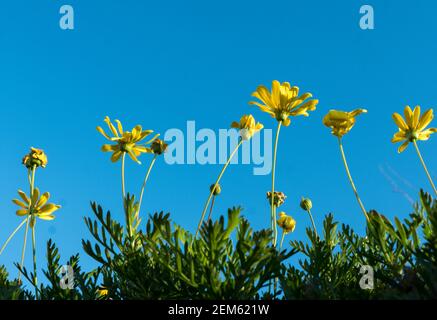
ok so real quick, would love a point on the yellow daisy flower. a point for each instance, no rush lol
(247, 126)
(341, 122)
(283, 101)
(287, 223)
(36, 206)
(126, 142)
(413, 127)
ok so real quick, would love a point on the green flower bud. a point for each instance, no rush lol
(215, 191)
(306, 204)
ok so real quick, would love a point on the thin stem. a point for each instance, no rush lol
(424, 166)
(12, 235)
(312, 222)
(272, 203)
(215, 186)
(351, 180)
(35, 279)
(145, 180)
(123, 188)
(282, 239)
(31, 176)
(210, 210)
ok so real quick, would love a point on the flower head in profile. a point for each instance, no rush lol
(287, 223)
(283, 101)
(341, 122)
(35, 158)
(36, 205)
(158, 146)
(247, 126)
(125, 141)
(279, 198)
(413, 127)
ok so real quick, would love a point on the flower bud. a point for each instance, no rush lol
(35, 158)
(306, 204)
(287, 223)
(215, 191)
(278, 200)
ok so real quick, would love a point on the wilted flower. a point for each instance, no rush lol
(247, 126)
(215, 191)
(126, 142)
(341, 122)
(283, 101)
(35, 158)
(306, 204)
(158, 146)
(278, 200)
(287, 223)
(413, 127)
(36, 206)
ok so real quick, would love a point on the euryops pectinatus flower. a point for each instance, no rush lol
(283, 101)
(341, 122)
(287, 223)
(413, 128)
(36, 206)
(35, 158)
(125, 141)
(247, 126)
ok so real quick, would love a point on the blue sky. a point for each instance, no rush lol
(161, 64)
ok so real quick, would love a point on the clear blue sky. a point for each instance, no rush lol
(160, 64)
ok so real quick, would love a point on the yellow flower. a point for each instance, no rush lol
(35, 158)
(341, 122)
(247, 126)
(102, 292)
(36, 206)
(413, 127)
(287, 223)
(283, 101)
(126, 142)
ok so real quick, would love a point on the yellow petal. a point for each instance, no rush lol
(43, 200)
(111, 126)
(109, 147)
(133, 157)
(48, 209)
(408, 116)
(403, 146)
(35, 195)
(119, 126)
(100, 129)
(116, 156)
(416, 115)
(399, 121)
(22, 212)
(235, 125)
(24, 196)
(398, 136)
(47, 218)
(20, 204)
(425, 120)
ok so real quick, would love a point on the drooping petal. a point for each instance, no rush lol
(403, 146)
(43, 200)
(116, 156)
(109, 148)
(47, 218)
(398, 136)
(48, 209)
(22, 212)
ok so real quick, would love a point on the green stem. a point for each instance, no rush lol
(282, 239)
(145, 180)
(12, 235)
(215, 186)
(123, 188)
(424, 166)
(31, 176)
(35, 277)
(210, 210)
(351, 180)
(272, 203)
(312, 222)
